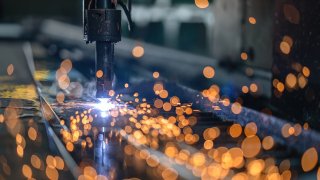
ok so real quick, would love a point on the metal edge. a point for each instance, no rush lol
(71, 164)
(69, 161)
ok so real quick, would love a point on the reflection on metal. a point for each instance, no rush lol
(18, 91)
(105, 104)
(53, 120)
(100, 153)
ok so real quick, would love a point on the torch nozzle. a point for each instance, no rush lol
(104, 68)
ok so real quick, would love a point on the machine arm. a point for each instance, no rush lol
(102, 25)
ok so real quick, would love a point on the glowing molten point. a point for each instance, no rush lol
(104, 106)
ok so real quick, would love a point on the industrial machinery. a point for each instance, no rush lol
(172, 115)
(102, 24)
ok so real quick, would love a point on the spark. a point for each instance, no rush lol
(105, 105)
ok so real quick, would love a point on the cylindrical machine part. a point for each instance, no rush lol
(105, 4)
(102, 4)
(102, 24)
(104, 67)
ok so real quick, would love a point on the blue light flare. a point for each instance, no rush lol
(105, 105)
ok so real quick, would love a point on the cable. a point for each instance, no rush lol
(129, 6)
(127, 12)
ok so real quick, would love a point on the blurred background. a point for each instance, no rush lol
(260, 49)
(243, 55)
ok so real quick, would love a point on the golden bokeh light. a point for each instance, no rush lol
(291, 80)
(201, 3)
(169, 174)
(250, 129)
(252, 20)
(275, 83)
(208, 72)
(285, 47)
(167, 106)
(171, 151)
(285, 130)
(153, 161)
(306, 71)
(291, 13)
(297, 129)
(51, 162)
(10, 69)
(60, 97)
(35, 161)
(158, 87)
(138, 51)
(64, 81)
(26, 171)
(70, 147)
(255, 167)
(235, 130)
(208, 144)
(236, 108)
(156, 75)
(288, 40)
(240, 176)
(284, 165)
(244, 56)
(32, 133)
(20, 151)
(167, 125)
(245, 89)
(280, 87)
(253, 87)
(302, 81)
(66, 65)
(99, 74)
(158, 103)
(226, 102)
(251, 146)
(267, 142)
(198, 159)
(211, 133)
(309, 159)
(1, 118)
(237, 157)
(52, 173)
(286, 175)
(89, 172)
(164, 94)
(111, 93)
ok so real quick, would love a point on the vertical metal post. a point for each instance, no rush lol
(104, 58)
(104, 63)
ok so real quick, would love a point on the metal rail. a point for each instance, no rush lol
(69, 161)
(50, 118)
